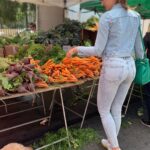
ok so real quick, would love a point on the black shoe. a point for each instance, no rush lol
(145, 123)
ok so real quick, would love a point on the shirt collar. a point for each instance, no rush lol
(117, 6)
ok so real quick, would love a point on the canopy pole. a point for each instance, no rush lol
(37, 17)
(65, 9)
(79, 13)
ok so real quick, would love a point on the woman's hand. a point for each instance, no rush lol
(71, 52)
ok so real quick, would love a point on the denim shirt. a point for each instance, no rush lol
(118, 35)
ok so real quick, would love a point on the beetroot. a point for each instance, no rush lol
(27, 68)
(26, 61)
(11, 69)
(18, 68)
(22, 89)
(31, 66)
(31, 87)
(11, 75)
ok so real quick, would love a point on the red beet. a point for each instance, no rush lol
(10, 69)
(22, 89)
(18, 68)
(26, 61)
(11, 75)
(31, 87)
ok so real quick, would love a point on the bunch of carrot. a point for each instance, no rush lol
(57, 73)
(72, 69)
(83, 67)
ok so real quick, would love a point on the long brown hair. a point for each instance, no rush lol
(123, 4)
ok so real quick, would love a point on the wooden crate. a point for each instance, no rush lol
(1, 52)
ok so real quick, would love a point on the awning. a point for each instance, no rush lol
(142, 6)
(59, 3)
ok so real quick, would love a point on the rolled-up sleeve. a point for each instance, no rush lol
(101, 39)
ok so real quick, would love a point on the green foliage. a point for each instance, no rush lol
(14, 13)
(5, 82)
(3, 42)
(90, 22)
(67, 33)
(39, 52)
(4, 63)
(78, 139)
(87, 43)
(8, 11)
(36, 51)
(20, 39)
(22, 52)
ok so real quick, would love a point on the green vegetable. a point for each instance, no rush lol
(56, 53)
(78, 139)
(4, 81)
(36, 51)
(4, 63)
(67, 33)
(87, 43)
(91, 22)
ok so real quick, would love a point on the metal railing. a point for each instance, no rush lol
(10, 32)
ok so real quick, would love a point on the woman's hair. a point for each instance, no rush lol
(123, 4)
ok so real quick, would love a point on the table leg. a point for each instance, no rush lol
(51, 107)
(87, 104)
(65, 119)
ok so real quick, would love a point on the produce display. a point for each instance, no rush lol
(39, 61)
(21, 77)
(41, 52)
(92, 24)
(67, 33)
(44, 67)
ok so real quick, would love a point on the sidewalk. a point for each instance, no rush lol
(133, 135)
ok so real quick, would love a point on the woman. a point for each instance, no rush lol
(146, 117)
(117, 38)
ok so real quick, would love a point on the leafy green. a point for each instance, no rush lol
(36, 51)
(4, 63)
(16, 82)
(87, 43)
(4, 81)
(78, 139)
(67, 33)
(91, 22)
(56, 53)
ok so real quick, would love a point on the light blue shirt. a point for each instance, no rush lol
(118, 35)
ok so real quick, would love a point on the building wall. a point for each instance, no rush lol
(49, 17)
(146, 23)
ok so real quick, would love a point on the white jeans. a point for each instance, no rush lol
(116, 77)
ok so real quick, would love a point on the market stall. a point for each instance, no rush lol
(141, 6)
(39, 65)
(36, 69)
(40, 92)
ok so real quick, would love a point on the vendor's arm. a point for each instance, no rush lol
(101, 39)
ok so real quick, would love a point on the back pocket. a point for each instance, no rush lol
(112, 73)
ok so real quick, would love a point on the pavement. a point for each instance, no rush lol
(133, 135)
